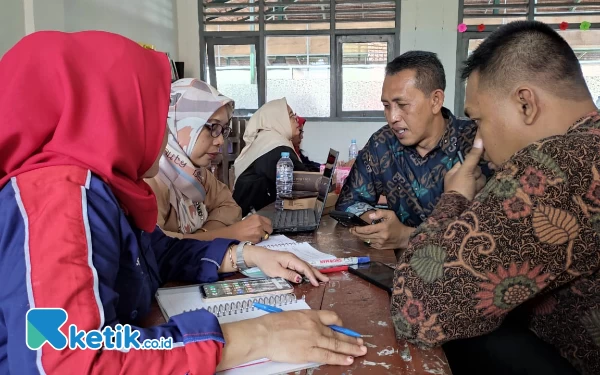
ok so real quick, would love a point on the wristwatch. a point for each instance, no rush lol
(240, 262)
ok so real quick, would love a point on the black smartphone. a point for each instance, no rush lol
(376, 273)
(347, 219)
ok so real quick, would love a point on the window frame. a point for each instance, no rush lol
(462, 51)
(340, 40)
(390, 35)
(211, 42)
(462, 46)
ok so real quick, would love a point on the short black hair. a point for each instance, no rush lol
(528, 51)
(430, 75)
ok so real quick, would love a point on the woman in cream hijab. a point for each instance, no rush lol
(192, 203)
(268, 134)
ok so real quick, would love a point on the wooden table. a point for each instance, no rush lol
(362, 307)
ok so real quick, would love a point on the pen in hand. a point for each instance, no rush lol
(342, 330)
(252, 212)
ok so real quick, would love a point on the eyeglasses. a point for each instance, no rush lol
(217, 129)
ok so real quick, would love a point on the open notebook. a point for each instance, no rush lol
(173, 301)
(302, 250)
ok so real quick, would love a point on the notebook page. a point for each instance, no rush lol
(306, 252)
(174, 301)
(276, 241)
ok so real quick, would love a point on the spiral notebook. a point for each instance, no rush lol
(174, 301)
(302, 250)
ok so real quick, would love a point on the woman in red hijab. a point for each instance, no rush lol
(310, 165)
(83, 118)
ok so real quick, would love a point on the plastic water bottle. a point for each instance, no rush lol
(284, 178)
(353, 151)
(598, 103)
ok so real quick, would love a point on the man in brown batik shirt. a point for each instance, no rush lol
(531, 237)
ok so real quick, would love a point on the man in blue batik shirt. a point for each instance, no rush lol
(407, 159)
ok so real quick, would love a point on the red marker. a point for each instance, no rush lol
(334, 269)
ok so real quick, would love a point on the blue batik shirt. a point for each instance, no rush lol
(411, 183)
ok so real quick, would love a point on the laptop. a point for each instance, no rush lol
(308, 220)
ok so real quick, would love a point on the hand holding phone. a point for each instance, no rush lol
(347, 219)
(350, 220)
(389, 234)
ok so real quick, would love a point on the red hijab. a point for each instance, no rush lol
(91, 99)
(301, 122)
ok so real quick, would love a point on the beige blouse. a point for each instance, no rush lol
(219, 203)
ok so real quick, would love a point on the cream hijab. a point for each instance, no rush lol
(267, 129)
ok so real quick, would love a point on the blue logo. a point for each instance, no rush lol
(44, 326)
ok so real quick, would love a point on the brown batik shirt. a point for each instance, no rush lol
(531, 237)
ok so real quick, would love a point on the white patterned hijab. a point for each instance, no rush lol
(193, 102)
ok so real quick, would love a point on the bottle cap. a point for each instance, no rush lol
(354, 141)
(285, 154)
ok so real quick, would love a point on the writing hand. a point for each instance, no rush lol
(252, 229)
(292, 337)
(303, 336)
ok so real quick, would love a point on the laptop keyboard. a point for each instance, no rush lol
(294, 218)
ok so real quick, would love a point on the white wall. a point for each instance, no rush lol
(146, 21)
(188, 38)
(319, 137)
(430, 25)
(12, 24)
(47, 15)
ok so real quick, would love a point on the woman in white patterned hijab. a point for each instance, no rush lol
(192, 202)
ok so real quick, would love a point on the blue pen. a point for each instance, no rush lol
(345, 331)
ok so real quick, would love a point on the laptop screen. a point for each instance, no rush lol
(325, 183)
